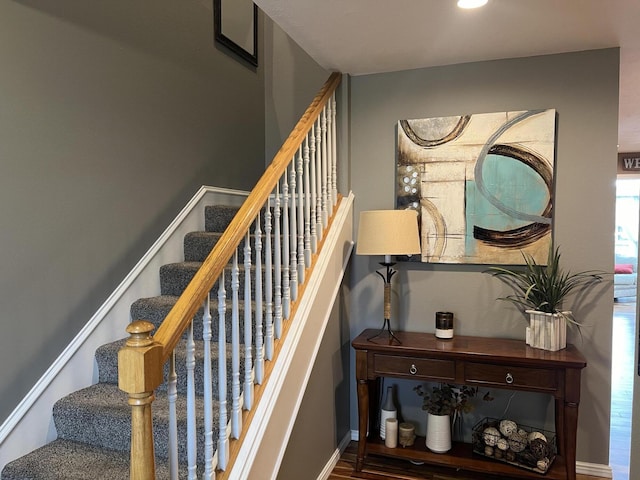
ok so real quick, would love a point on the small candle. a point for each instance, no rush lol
(444, 325)
(391, 437)
(406, 434)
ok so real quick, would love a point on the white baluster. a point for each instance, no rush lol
(209, 470)
(300, 226)
(258, 302)
(192, 441)
(314, 186)
(334, 152)
(319, 227)
(325, 171)
(293, 234)
(277, 267)
(248, 333)
(286, 288)
(172, 394)
(307, 202)
(236, 414)
(268, 287)
(223, 439)
(329, 110)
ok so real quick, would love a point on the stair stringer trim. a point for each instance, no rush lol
(266, 439)
(30, 425)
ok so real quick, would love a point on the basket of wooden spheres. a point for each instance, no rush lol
(519, 445)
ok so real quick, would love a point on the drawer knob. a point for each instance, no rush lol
(413, 370)
(509, 378)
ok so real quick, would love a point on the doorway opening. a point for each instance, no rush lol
(624, 324)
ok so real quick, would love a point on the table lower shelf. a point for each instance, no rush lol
(461, 456)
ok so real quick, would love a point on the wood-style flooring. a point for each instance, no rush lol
(378, 468)
(622, 373)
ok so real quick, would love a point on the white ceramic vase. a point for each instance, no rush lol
(438, 433)
(547, 331)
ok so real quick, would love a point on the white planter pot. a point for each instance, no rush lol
(438, 433)
(547, 331)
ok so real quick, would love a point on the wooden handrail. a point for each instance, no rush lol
(141, 360)
(187, 305)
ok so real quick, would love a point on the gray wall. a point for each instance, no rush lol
(292, 79)
(323, 419)
(583, 88)
(112, 115)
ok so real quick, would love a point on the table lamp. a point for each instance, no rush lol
(388, 232)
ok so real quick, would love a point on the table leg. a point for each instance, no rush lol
(363, 421)
(569, 443)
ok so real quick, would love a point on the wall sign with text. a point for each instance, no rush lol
(629, 162)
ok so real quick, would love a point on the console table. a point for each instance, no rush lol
(474, 361)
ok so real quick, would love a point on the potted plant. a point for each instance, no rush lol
(443, 402)
(539, 290)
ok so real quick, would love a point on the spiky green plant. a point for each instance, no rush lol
(544, 287)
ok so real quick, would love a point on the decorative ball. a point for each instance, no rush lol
(522, 432)
(508, 427)
(539, 448)
(543, 464)
(488, 451)
(502, 444)
(534, 435)
(527, 459)
(510, 456)
(498, 454)
(490, 435)
(518, 442)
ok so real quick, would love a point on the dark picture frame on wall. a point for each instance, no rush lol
(236, 27)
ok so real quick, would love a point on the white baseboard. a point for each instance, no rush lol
(30, 424)
(582, 468)
(333, 461)
(594, 469)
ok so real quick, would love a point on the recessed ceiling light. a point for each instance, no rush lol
(471, 3)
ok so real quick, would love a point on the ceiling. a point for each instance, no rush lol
(373, 36)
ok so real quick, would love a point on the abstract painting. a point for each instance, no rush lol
(482, 185)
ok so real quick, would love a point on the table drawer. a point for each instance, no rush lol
(508, 376)
(412, 367)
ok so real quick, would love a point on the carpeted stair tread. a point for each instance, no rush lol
(218, 217)
(68, 460)
(99, 415)
(107, 360)
(198, 245)
(155, 310)
(94, 423)
(174, 278)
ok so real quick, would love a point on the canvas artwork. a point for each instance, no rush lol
(482, 185)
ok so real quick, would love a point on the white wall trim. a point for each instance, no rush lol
(594, 469)
(335, 458)
(30, 424)
(262, 419)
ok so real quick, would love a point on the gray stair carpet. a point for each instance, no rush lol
(94, 424)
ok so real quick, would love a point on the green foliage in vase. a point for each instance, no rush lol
(544, 287)
(447, 399)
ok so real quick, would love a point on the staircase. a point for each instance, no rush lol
(287, 245)
(94, 424)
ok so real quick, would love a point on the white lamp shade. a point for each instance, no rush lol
(388, 232)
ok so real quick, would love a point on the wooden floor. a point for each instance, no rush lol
(622, 372)
(378, 468)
